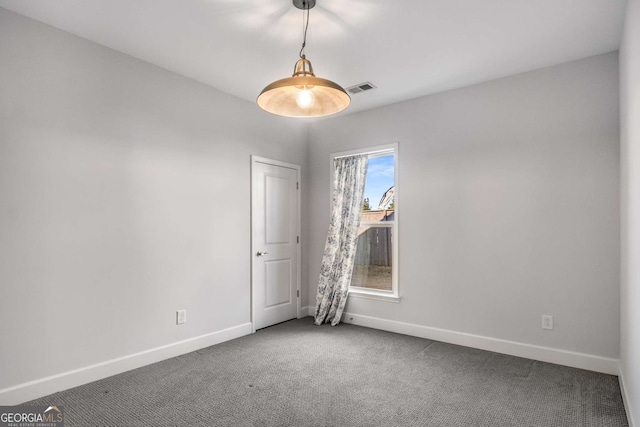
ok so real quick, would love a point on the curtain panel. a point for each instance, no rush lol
(340, 248)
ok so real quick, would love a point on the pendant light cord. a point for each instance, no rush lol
(304, 40)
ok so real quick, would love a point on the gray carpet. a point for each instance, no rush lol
(298, 374)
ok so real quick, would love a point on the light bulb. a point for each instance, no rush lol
(305, 98)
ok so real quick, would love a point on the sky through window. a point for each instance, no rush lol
(380, 175)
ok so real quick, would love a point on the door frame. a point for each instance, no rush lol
(254, 160)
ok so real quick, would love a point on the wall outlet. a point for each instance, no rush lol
(547, 322)
(181, 317)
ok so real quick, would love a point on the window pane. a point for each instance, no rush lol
(379, 188)
(373, 263)
(373, 268)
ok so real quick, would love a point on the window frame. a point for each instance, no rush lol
(377, 151)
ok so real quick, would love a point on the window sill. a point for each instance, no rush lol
(374, 295)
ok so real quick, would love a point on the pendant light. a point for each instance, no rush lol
(303, 94)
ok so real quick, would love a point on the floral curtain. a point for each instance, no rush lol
(340, 248)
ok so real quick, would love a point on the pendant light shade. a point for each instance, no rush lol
(303, 94)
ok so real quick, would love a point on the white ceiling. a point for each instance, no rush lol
(407, 48)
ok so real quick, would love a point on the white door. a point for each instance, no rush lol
(275, 255)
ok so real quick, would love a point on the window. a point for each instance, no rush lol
(375, 268)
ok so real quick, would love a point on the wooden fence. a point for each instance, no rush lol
(374, 247)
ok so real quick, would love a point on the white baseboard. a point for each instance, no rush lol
(625, 398)
(304, 311)
(544, 354)
(45, 386)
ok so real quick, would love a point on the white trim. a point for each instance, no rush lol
(280, 163)
(305, 311)
(257, 159)
(545, 354)
(625, 398)
(378, 149)
(41, 387)
(379, 296)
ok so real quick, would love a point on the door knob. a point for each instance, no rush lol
(262, 253)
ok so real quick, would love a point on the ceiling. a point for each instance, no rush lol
(407, 48)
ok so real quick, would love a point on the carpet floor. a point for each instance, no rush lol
(299, 374)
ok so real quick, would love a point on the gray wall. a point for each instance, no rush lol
(124, 196)
(508, 206)
(630, 188)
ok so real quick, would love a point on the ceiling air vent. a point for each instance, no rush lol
(360, 88)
